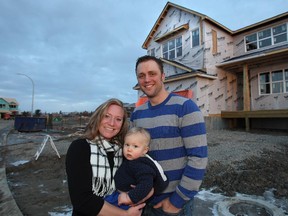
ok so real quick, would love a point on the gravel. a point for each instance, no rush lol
(230, 146)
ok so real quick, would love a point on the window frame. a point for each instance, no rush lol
(198, 39)
(265, 83)
(273, 82)
(152, 52)
(172, 47)
(257, 40)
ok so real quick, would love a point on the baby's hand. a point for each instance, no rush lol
(123, 198)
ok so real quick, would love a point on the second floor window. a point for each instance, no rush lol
(279, 34)
(266, 37)
(151, 52)
(172, 49)
(195, 38)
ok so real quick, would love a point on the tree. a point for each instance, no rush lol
(37, 112)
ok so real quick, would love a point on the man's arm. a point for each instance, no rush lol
(193, 133)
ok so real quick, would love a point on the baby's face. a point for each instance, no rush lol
(135, 146)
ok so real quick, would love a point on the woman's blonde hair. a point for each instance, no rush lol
(92, 128)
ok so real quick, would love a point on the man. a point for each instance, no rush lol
(178, 139)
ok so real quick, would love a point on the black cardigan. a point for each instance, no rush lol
(79, 177)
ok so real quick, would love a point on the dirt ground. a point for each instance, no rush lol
(252, 176)
(40, 187)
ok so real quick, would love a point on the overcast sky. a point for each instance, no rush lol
(80, 53)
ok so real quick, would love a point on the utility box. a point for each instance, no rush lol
(29, 124)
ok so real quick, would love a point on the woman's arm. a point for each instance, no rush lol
(79, 176)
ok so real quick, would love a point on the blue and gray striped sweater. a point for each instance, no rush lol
(178, 143)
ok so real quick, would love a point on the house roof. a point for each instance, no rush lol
(207, 18)
(10, 100)
(163, 15)
(190, 72)
(261, 57)
(262, 23)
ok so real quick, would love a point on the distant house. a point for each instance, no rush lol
(8, 106)
(239, 75)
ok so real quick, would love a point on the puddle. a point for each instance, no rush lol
(61, 211)
(243, 208)
(212, 204)
(247, 206)
(17, 163)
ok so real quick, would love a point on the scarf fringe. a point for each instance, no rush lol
(102, 187)
(102, 182)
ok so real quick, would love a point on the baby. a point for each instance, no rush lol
(138, 169)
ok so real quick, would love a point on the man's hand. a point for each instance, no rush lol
(167, 206)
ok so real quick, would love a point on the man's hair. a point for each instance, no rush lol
(148, 58)
(139, 130)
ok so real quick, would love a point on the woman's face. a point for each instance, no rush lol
(111, 122)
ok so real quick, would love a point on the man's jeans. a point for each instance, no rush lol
(187, 210)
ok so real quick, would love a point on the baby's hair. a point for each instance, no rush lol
(140, 130)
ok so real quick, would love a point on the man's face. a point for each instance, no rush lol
(150, 78)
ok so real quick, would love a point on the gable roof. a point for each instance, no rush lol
(262, 23)
(164, 13)
(10, 100)
(207, 18)
(190, 72)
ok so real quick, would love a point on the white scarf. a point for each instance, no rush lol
(102, 181)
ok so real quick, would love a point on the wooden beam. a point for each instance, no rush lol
(247, 115)
(281, 113)
(246, 88)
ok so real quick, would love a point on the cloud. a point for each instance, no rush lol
(81, 53)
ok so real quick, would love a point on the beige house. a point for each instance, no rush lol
(238, 75)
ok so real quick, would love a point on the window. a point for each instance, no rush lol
(265, 83)
(151, 52)
(280, 34)
(274, 82)
(277, 81)
(251, 42)
(195, 38)
(172, 49)
(2, 105)
(266, 37)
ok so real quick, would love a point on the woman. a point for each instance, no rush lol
(92, 161)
